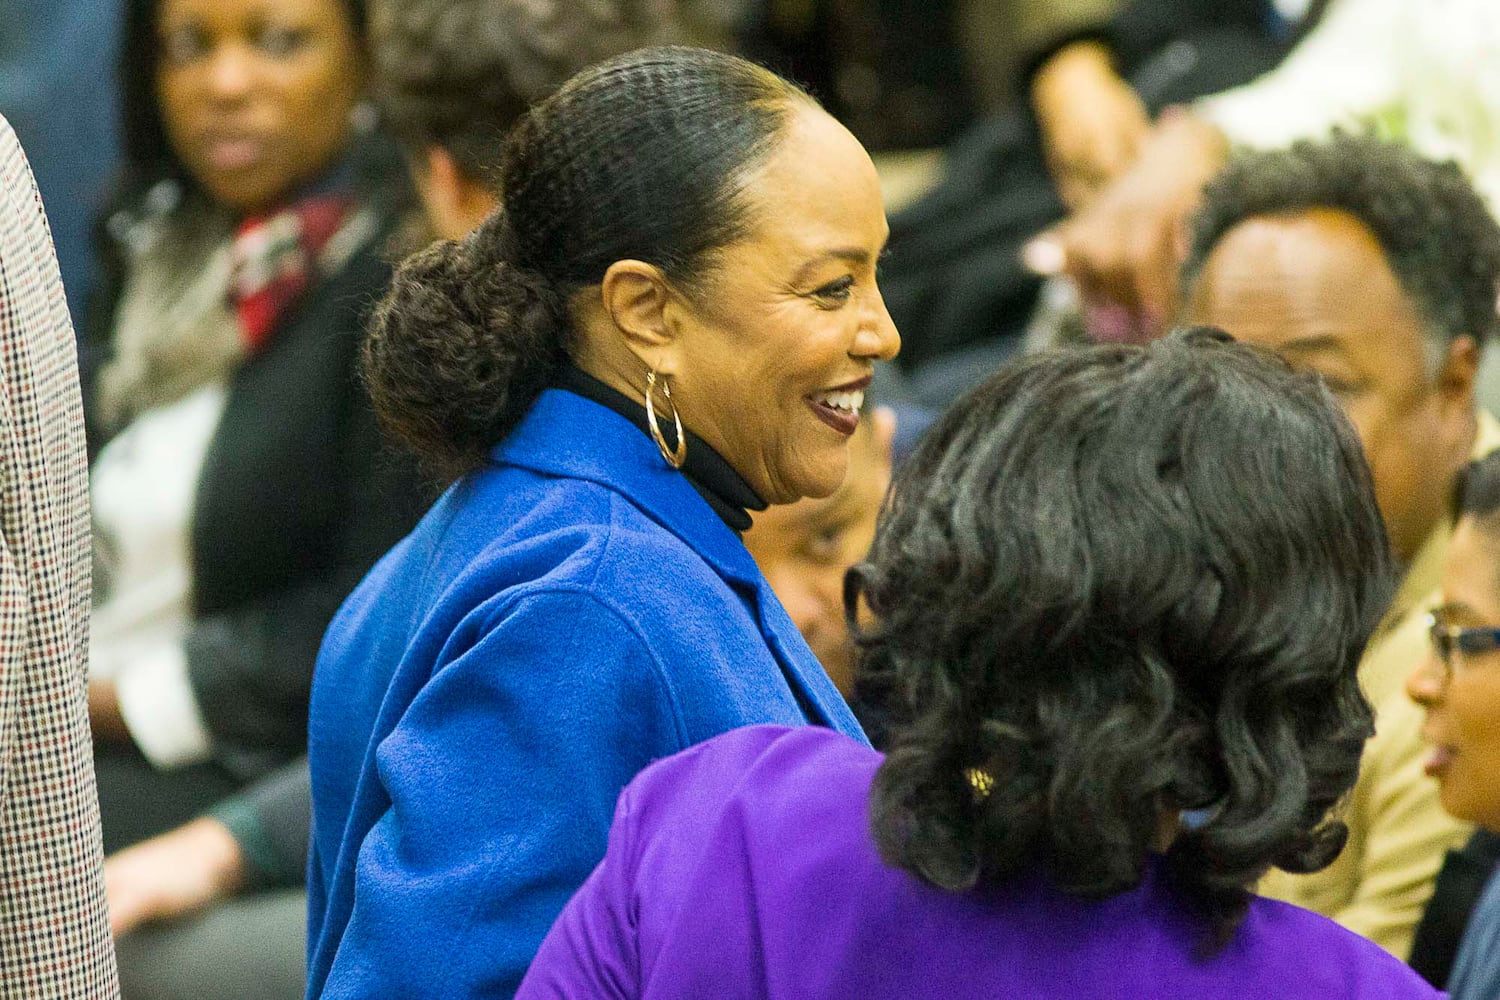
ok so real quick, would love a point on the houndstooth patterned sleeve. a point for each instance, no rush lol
(54, 927)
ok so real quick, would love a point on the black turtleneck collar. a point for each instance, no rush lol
(715, 480)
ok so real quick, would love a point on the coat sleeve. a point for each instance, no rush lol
(502, 776)
(271, 821)
(592, 950)
(54, 928)
(251, 666)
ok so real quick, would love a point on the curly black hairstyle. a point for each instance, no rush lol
(459, 73)
(1115, 583)
(1442, 243)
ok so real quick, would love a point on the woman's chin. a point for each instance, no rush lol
(814, 482)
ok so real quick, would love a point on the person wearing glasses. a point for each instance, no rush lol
(1459, 686)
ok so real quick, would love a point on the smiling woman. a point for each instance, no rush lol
(686, 253)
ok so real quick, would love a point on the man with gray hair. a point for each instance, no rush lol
(1377, 269)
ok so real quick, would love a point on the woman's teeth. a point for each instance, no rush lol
(849, 402)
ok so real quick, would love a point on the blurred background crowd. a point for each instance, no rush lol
(229, 183)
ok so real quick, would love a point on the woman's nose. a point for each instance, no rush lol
(1424, 685)
(230, 73)
(878, 338)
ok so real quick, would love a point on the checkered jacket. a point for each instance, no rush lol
(54, 928)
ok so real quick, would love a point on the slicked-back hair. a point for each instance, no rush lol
(1442, 243)
(641, 157)
(1119, 583)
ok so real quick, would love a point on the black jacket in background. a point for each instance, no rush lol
(954, 277)
(1460, 883)
(298, 496)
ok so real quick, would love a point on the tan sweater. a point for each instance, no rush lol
(1398, 831)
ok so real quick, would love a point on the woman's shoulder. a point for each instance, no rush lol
(1303, 953)
(763, 786)
(761, 763)
(507, 532)
(587, 531)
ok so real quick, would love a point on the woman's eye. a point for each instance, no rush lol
(836, 291)
(1342, 387)
(183, 45)
(281, 42)
(825, 545)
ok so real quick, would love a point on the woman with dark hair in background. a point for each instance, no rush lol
(671, 322)
(1119, 595)
(239, 486)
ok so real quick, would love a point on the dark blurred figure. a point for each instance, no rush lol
(53, 55)
(955, 281)
(452, 76)
(240, 486)
(891, 70)
(904, 74)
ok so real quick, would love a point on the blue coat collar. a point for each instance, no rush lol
(569, 436)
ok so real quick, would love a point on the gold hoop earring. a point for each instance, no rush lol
(674, 456)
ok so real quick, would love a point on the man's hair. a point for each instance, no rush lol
(459, 73)
(1111, 584)
(1479, 490)
(1440, 240)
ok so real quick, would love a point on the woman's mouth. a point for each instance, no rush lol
(1437, 761)
(231, 153)
(839, 408)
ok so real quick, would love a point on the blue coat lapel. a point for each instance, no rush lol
(567, 435)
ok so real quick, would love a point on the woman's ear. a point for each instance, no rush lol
(640, 303)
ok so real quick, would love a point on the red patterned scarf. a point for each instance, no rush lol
(274, 260)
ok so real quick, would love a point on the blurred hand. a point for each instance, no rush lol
(172, 874)
(1125, 248)
(1092, 122)
(104, 712)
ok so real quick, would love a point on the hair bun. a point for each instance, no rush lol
(460, 348)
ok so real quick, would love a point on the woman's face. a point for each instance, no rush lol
(1463, 710)
(778, 347)
(256, 95)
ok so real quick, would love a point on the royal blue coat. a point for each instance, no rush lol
(555, 623)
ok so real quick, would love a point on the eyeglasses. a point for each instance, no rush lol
(1450, 639)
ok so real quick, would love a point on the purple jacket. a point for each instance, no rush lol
(744, 867)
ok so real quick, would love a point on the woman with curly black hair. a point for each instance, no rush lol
(1118, 600)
